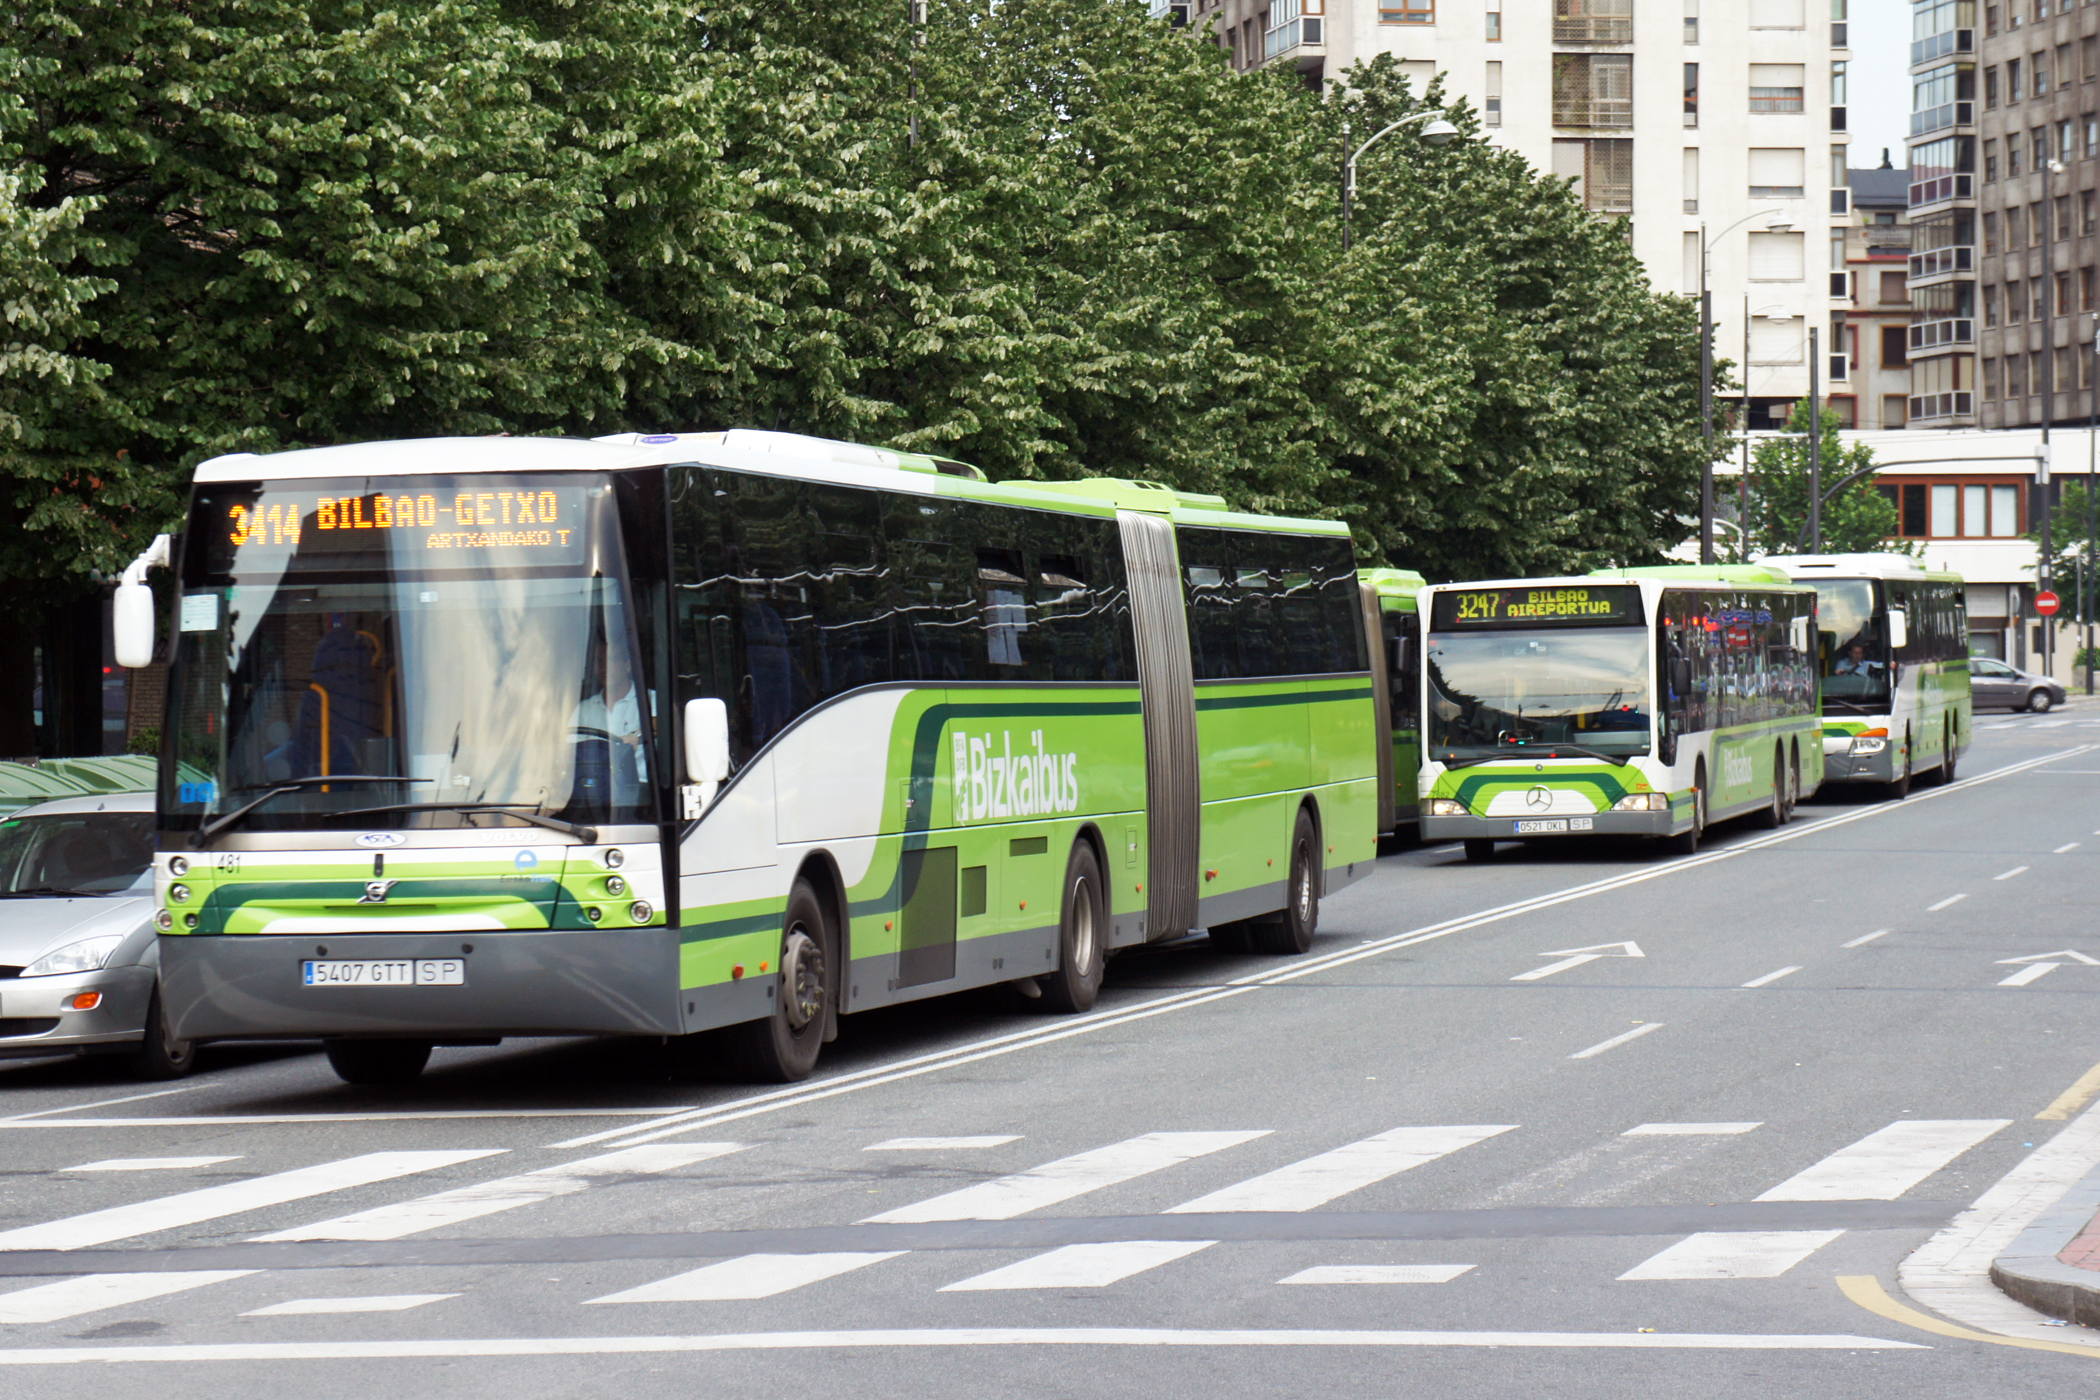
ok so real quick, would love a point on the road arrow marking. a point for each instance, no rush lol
(2039, 967)
(1576, 957)
(2073, 954)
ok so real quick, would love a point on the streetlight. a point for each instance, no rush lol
(1779, 224)
(2050, 170)
(1438, 133)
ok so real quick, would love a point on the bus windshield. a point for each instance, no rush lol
(1854, 650)
(1493, 692)
(336, 630)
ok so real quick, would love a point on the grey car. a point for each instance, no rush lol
(1993, 684)
(79, 964)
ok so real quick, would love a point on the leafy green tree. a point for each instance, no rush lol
(1856, 517)
(2070, 550)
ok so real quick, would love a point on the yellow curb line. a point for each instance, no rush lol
(2073, 1098)
(1866, 1290)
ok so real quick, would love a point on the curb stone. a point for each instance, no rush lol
(2030, 1272)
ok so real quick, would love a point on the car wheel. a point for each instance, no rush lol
(377, 1062)
(2040, 701)
(161, 1055)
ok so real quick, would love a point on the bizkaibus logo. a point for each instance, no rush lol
(993, 782)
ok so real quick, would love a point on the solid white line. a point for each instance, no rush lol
(2016, 870)
(1688, 1129)
(101, 1103)
(1379, 1273)
(151, 1164)
(1865, 939)
(1005, 1197)
(449, 1349)
(70, 1297)
(940, 1144)
(1771, 977)
(1314, 1181)
(933, 1062)
(310, 1307)
(2067, 846)
(1636, 1033)
(2033, 972)
(1732, 1254)
(1082, 1265)
(752, 1276)
(1950, 899)
(1883, 1165)
(233, 1198)
(400, 1218)
(243, 1119)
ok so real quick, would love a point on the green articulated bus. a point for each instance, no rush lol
(732, 732)
(1893, 650)
(1631, 702)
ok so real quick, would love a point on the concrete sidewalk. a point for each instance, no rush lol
(2054, 1265)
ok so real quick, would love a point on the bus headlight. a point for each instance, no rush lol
(1866, 744)
(178, 866)
(1445, 807)
(1643, 802)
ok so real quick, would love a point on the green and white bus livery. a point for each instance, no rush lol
(1892, 646)
(1396, 627)
(659, 735)
(1646, 702)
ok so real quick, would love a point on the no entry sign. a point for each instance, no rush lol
(2047, 603)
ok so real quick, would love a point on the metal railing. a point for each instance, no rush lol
(1604, 112)
(1593, 29)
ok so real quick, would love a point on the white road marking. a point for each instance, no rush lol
(1732, 1254)
(1949, 900)
(2016, 870)
(1883, 1165)
(1314, 1181)
(2033, 972)
(308, 1307)
(1603, 1045)
(250, 1119)
(752, 1276)
(1209, 1339)
(1379, 1273)
(1577, 957)
(2067, 846)
(1082, 1265)
(774, 1100)
(940, 1144)
(232, 1198)
(151, 1164)
(399, 1218)
(1771, 977)
(1865, 939)
(1008, 1196)
(1688, 1129)
(101, 1103)
(70, 1297)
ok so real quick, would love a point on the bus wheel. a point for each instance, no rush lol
(783, 1047)
(1080, 923)
(377, 1061)
(1774, 817)
(1686, 843)
(1899, 787)
(1947, 761)
(1479, 848)
(1235, 937)
(1292, 930)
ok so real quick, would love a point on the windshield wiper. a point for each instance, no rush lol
(55, 892)
(586, 834)
(292, 785)
(1543, 749)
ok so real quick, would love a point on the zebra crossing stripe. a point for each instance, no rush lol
(1732, 1254)
(1883, 1165)
(1082, 1265)
(70, 1297)
(751, 1276)
(1005, 1197)
(1313, 1182)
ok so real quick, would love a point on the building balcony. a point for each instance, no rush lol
(1954, 333)
(1959, 403)
(1593, 29)
(1941, 262)
(1947, 114)
(1289, 38)
(1940, 45)
(1943, 187)
(1596, 113)
(1887, 238)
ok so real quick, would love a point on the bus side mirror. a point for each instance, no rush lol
(1899, 629)
(706, 752)
(131, 612)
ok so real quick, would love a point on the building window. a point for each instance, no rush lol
(1989, 388)
(2039, 137)
(1990, 234)
(1990, 161)
(1946, 510)
(1494, 21)
(1987, 509)
(2085, 289)
(2015, 376)
(2012, 229)
(2039, 65)
(1407, 11)
(1777, 14)
(1593, 89)
(2092, 136)
(1691, 21)
(2089, 58)
(2015, 302)
(1601, 169)
(2038, 305)
(1895, 347)
(2063, 216)
(1895, 291)
(1990, 307)
(1777, 257)
(2012, 80)
(2063, 293)
(2012, 155)
(1777, 172)
(1990, 87)
(2035, 224)
(1691, 190)
(2085, 211)
(1493, 114)
(1777, 87)
(1593, 21)
(1691, 94)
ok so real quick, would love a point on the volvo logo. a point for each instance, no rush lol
(375, 891)
(369, 839)
(1539, 799)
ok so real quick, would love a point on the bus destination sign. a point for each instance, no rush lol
(418, 524)
(1561, 605)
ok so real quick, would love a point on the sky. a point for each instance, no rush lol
(1878, 82)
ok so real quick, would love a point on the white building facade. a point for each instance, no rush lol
(1680, 116)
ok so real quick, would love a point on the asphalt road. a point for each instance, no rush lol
(1446, 1153)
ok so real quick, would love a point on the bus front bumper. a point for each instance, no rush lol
(580, 982)
(1547, 828)
(1842, 765)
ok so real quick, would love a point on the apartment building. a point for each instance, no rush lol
(1714, 123)
(1875, 392)
(2021, 159)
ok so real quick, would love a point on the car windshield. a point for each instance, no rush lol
(1492, 691)
(76, 853)
(1854, 648)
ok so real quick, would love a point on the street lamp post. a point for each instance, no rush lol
(1778, 224)
(1438, 132)
(2050, 170)
(1815, 446)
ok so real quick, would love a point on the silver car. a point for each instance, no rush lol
(79, 965)
(1993, 683)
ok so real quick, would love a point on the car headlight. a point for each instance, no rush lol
(84, 956)
(1863, 745)
(1643, 802)
(1445, 807)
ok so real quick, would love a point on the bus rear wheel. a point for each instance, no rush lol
(1899, 787)
(783, 1047)
(1291, 931)
(1081, 922)
(1774, 816)
(1686, 843)
(377, 1061)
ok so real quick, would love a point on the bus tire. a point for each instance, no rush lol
(1947, 761)
(1899, 786)
(377, 1061)
(1291, 930)
(1686, 843)
(1081, 921)
(783, 1047)
(1480, 848)
(1774, 816)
